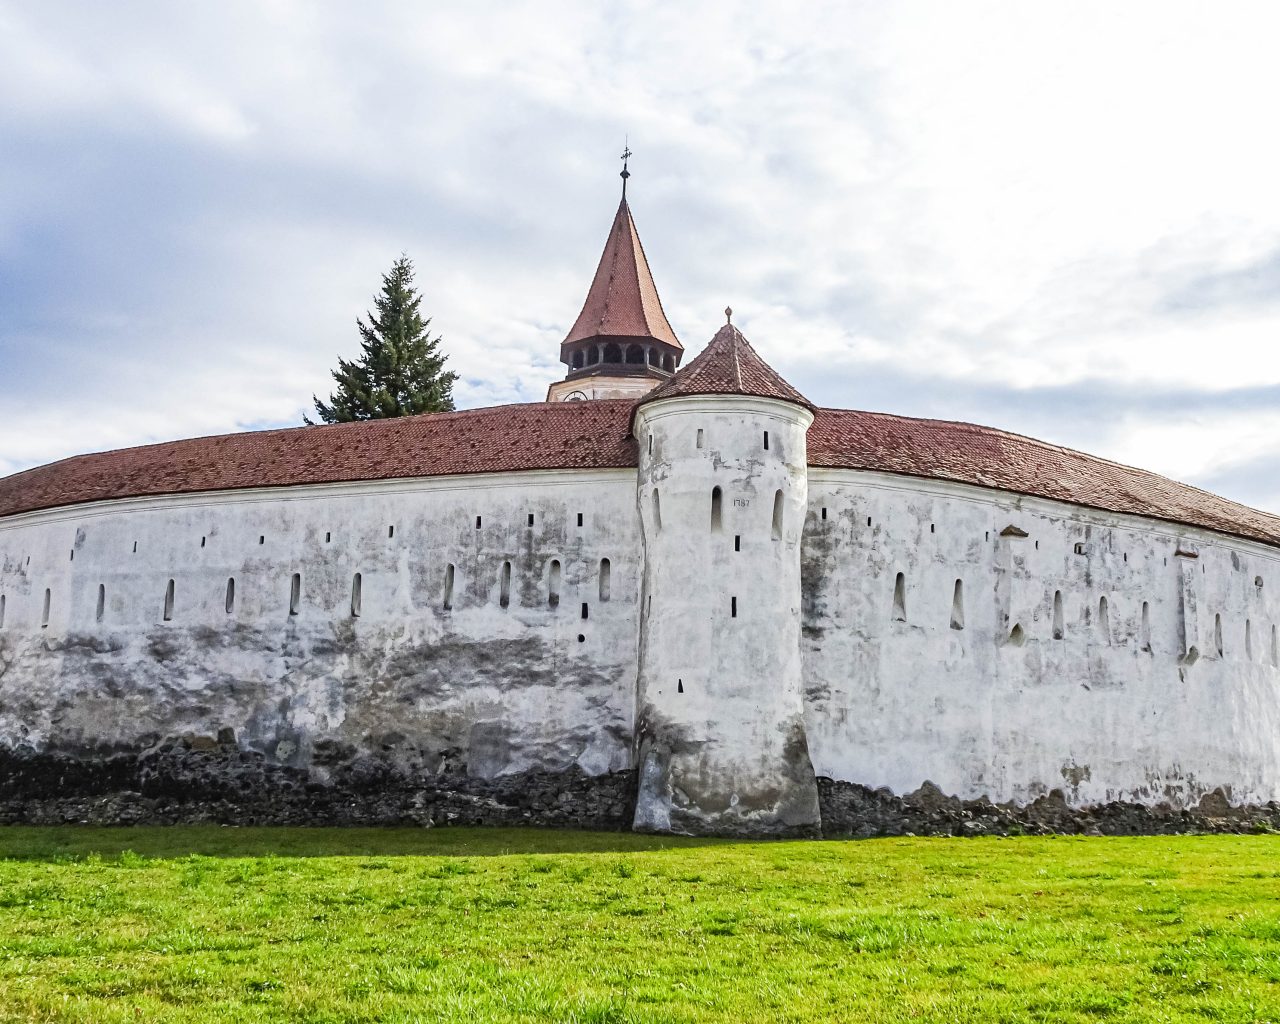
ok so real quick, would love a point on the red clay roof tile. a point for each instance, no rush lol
(623, 300)
(591, 435)
(727, 366)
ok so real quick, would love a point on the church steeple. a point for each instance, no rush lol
(622, 344)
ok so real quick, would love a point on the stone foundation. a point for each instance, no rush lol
(203, 782)
(850, 810)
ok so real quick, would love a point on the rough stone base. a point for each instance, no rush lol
(218, 783)
(852, 810)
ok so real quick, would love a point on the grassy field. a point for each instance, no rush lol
(323, 925)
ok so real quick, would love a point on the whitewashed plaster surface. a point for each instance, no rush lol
(727, 716)
(897, 696)
(537, 683)
(721, 723)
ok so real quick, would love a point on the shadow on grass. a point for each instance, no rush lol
(70, 842)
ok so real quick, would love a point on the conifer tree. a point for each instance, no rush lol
(400, 371)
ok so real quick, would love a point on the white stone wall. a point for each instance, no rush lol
(889, 693)
(720, 729)
(896, 696)
(503, 688)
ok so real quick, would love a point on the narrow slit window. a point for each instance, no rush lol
(737, 542)
(1275, 638)
(733, 607)
(1248, 639)
(824, 513)
(1217, 634)
(230, 602)
(957, 606)
(933, 528)
(73, 554)
(1104, 620)
(531, 519)
(202, 542)
(716, 511)
(657, 511)
(777, 515)
(295, 593)
(478, 522)
(262, 539)
(357, 595)
(48, 603)
(1145, 638)
(328, 538)
(446, 600)
(699, 441)
(1059, 629)
(606, 582)
(135, 547)
(766, 440)
(679, 686)
(650, 443)
(900, 597)
(168, 602)
(391, 532)
(579, 518)
(585, 610)
(868, 520)
(553, 584)
(2, 602)
(101, 610)
(504, 587)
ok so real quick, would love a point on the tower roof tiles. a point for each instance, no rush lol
(727, 366)
(623, 301)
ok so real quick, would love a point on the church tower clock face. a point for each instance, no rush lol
(576, 396)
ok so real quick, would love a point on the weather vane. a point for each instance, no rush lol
(626, 155)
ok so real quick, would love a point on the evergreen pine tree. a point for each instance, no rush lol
(401, 369)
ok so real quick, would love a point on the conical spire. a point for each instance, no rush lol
(728, 366)
(622, 302)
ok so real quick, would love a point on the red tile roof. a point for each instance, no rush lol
(589, 435)
(623, 300)
(560, 435)
(727, 366)
(970, 454)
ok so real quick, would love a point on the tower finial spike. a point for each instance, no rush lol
(728, 314)
(626, 155)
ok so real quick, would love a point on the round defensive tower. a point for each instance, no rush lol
(723, 485)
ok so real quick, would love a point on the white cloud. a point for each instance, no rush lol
(1003, 198)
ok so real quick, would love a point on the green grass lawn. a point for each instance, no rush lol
(210, 924)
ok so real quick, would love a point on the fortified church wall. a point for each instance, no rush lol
(715, 609)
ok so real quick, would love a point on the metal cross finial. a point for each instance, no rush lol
(728, 315)
(626, 155)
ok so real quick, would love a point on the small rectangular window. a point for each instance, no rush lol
(737, 542)
(733, 607)
(328, 538)
(824, 513)
(477, 522)
(579, 518)
(168, 602)
(584, 609)
(699, 437)
(391, 532)
(262, 540)
(766, 440)
(530, 518)
(295, 594)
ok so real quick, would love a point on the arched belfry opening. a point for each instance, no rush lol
(621, 344)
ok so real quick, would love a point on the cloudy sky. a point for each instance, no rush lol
(1057, 218)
